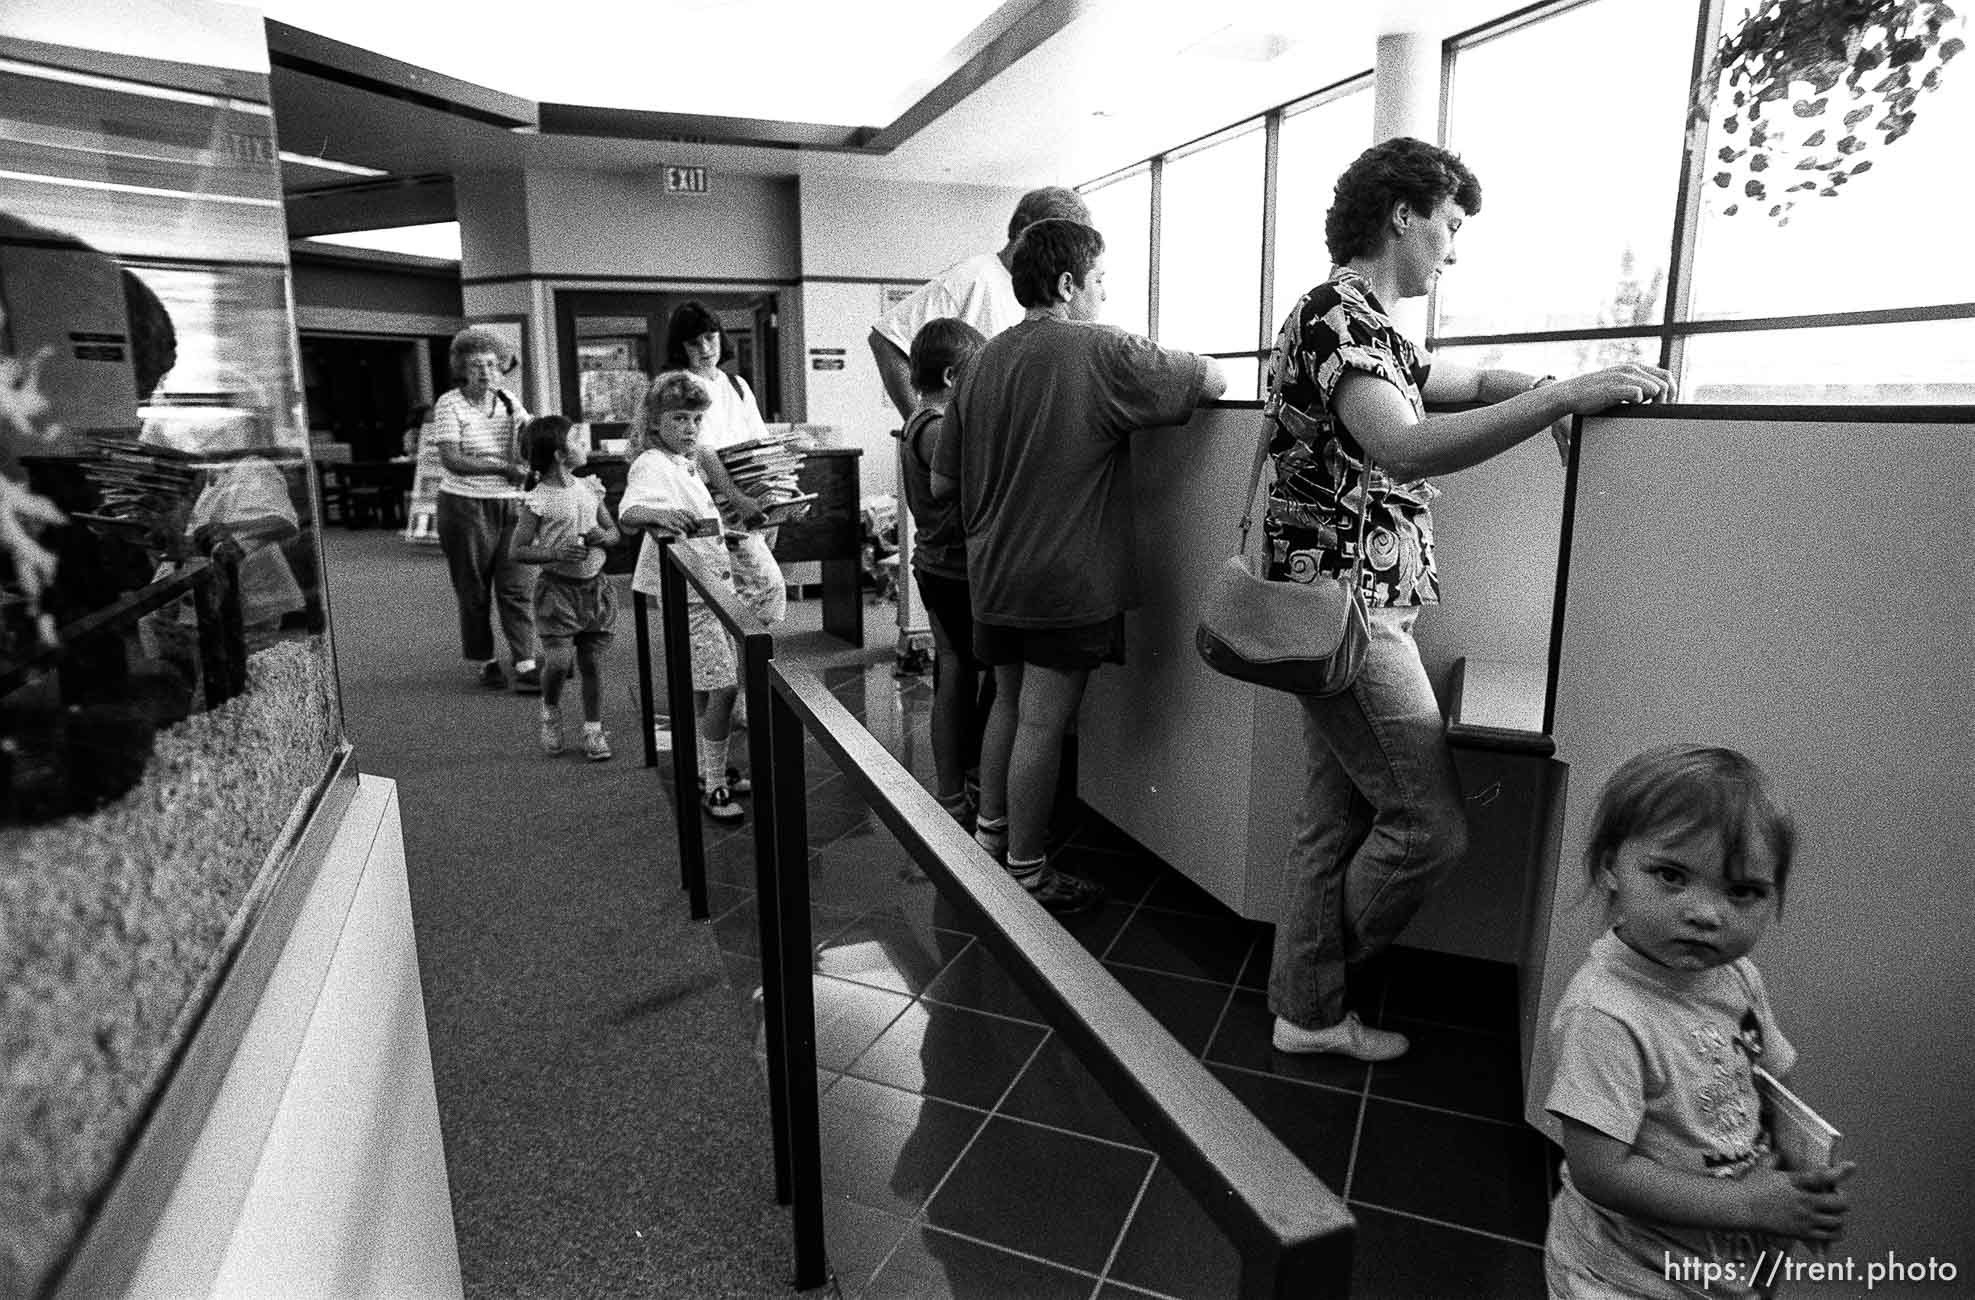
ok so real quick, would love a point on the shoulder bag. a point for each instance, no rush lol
(1307, 638)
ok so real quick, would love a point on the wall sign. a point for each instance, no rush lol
(686, 180)
(826, 358)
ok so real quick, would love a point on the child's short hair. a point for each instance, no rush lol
(941, 342)
(1046, 250)
(542, 439)
(675, 392)
(1692, 787)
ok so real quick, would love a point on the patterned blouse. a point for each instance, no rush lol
(1311, 524)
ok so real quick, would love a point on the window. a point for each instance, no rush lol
(1318, 142)
(1210, 245)
(1567, 357)
(1834, 253)
(1121, 208)
(1919, 362)
(1577, 147)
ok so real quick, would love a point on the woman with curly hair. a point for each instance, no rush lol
(1382, 816)
(480, 497)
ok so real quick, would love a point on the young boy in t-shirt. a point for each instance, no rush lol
(963, 691)
(1031, 445)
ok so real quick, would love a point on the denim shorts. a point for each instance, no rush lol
(582, 610)
(1071, 649)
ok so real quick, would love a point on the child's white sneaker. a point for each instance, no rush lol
(720, 806)
(596, 746)
(551, 732)
(1348, 1037)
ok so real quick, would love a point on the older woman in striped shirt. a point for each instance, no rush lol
(480, 497)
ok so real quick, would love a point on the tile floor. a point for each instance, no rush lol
(968, 1154)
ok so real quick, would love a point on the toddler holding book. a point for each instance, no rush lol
(1672, 1185)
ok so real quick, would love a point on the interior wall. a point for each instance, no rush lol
(593, 224)
(1496, 529)
(379, 290)
(1799, 590)
(840, 380)
(898, 231)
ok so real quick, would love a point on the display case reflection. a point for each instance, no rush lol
(167, 698)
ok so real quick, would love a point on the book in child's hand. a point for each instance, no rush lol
(1804, 1139)
(707, 527)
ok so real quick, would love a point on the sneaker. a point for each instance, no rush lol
(1348, 1037)
(596, 746)
(528, 681)
(551, 731)
(492, 677)
(737, 782)
(1064, 894)
(720, 806)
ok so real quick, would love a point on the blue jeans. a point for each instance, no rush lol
(1381, 820)
(475, 533)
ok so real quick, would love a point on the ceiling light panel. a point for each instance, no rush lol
(848, 63)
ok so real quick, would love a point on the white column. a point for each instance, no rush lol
(1406, 101)
(1406, 86)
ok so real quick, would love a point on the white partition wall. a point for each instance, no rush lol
(1801, 586)
(1205, 771)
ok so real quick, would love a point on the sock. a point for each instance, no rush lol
(713, 760)
(593, 728)
(520, 665)
(551, 712)
(991, 833)
(1028, 873)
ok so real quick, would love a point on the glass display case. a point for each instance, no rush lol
(169, 718)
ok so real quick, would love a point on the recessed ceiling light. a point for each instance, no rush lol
(329, 165)
(1233, 45)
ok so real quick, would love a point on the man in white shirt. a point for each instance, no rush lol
(978, 290)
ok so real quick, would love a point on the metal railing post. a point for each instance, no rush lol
(647, 715)
(797, 1010)
(685, 738)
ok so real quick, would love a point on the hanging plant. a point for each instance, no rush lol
(1807, 84)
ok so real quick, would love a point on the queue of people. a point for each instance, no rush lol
(1016, 421)
(1012, 472)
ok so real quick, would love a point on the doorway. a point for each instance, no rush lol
(361, 391)
(609, 344)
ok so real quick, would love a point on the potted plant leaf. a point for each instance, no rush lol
(1805, 88)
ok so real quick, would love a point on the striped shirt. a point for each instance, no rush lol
(476, 433)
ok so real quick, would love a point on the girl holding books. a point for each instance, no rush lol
(694, 343)
(1671, 1184)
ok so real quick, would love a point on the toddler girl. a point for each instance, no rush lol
(564, 526)
(1671, 1186)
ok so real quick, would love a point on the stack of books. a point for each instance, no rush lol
(765, 469)
(146, 492)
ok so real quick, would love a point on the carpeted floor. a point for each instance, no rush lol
(605, 1124)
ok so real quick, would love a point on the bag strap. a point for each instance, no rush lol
(1269, 426)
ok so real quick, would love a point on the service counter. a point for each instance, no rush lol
(1206, 772)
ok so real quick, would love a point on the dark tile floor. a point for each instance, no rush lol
(968, 1154)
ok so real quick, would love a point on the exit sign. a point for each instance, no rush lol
(685, 180)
